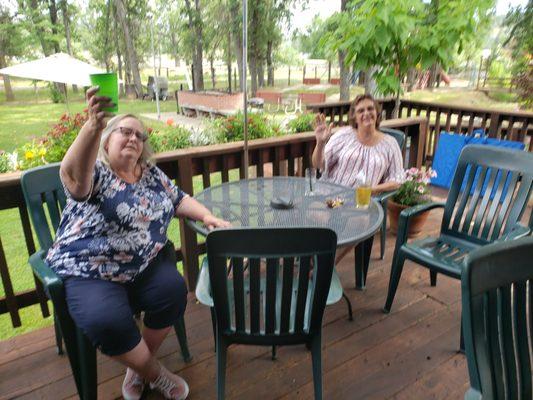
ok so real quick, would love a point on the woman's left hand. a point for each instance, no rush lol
(212, 222)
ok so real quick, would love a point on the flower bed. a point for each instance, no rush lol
(55, 143)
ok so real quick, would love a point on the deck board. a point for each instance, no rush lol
(410, 353)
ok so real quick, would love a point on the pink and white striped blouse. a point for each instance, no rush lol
(345, 157)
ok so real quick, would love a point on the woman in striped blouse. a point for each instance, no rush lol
(357, 149)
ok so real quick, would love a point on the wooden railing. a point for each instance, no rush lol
(286, 155)
(516, 126)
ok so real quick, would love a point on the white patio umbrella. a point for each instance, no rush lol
(59, 67)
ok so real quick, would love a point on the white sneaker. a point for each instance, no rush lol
(172, 386)
(133, 385)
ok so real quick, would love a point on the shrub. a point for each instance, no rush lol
(58, 139)
(55, 94)
(31, 155)
(231, 129)
(202, 137)
(302, 123)
(169, 139)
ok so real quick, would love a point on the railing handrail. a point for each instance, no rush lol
(432, 105)
(464, 109)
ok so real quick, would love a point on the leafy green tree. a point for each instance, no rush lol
(520, 42)
(12, 43)
(308, 42)
(396, 35)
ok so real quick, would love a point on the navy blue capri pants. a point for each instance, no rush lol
(104, 310)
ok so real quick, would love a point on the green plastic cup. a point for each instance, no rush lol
(108, 84)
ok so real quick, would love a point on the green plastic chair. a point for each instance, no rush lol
(383, 197)
(364, 249)
(44, 194)
(269, 298)
(474, 216)
(495, 283)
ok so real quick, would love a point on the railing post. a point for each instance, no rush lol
(418, 134)
(11, 300)
(189, 244)
(494, 122)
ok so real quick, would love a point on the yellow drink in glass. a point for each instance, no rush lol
(362, 196)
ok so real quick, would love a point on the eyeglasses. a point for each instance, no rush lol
(362, 109)
(127, 132)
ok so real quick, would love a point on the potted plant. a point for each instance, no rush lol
(413, 191)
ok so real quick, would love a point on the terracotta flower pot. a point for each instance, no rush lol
(416, 223)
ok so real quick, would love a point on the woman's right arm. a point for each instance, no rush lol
(78, 164)
(322, 134)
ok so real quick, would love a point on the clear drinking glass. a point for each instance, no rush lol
(310, 181)
(362, 195)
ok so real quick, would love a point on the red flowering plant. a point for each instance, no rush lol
(414, 188)
(59, 138)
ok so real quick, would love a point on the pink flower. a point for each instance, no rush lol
(421, 189)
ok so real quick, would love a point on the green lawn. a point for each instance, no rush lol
(22, 121)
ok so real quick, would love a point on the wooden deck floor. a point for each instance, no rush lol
(409, 354)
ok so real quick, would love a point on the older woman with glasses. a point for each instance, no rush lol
(111, 247)
(359, 150)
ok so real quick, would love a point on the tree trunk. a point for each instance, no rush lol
(260, 73)
(371, 87)
(195, 25)
(433, 75)
(174, 47)
(252, 66)
(7, 82)
(344, 78)
(362, 78)
(238, 52)
(66, 24)
(36, 20)
(411, 79)
(130, 48)
(270, 64)
(344, 71)
(53, 18)
(119, 56)
(212, 66)
(228, 60)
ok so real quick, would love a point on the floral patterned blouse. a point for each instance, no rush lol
(118, 230)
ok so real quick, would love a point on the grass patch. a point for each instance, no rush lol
(21, 122)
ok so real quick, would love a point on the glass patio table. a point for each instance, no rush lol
(247, 203)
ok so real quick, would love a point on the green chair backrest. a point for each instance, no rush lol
(483, 211)
(497, 297)
(284, 304)
(44, 196)
(396, 134)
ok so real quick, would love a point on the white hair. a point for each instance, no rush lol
(146, 156)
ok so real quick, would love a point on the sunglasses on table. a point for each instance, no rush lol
(128, 132)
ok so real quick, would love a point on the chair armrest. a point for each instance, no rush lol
(415, 210)
(405, 215)
(203, 286)
(518, 231)
(52, 283)
(383, 196)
